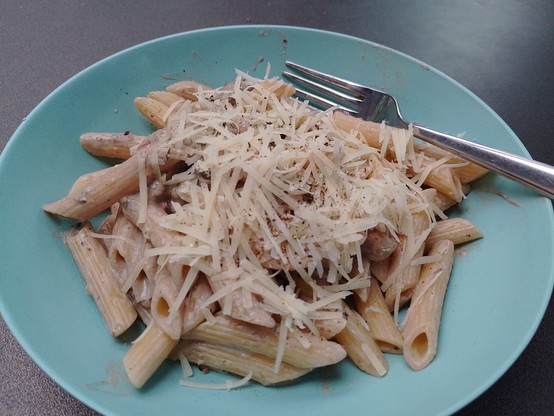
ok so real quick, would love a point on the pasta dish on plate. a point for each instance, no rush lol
(256, 235)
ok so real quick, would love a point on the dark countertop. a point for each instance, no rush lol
(502, 50)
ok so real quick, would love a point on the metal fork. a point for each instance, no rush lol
(326, 91)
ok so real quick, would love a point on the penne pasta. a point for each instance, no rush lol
(278, 87)
(225, 358)
(153, 110)
(187, 89)
(457, 230)
(328, 328)
(370, 132)
(376, 314)
(261, 340)
(241, 304)
(102, 284)
(360, 345)
(126, 250)
(149, 225)
(111, 145)
(83, 182)
(381, 269)
(106, 187)
(438, 200)
(422, 321)
(467, 172)
(146, 354)
(166, 98)
(402, 266)
(106, 227)
(193, 315)
(163, 300)
(445, 181)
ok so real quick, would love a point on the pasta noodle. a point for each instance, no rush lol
(361, 346)
(376, 314)
(256, 235)
(261, 340)
(423, 317)
(146, 354)
(92, 260)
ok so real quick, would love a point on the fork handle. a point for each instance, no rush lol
(535, 175)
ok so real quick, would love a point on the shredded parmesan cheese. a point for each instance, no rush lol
(143, 190)
(228, 385)
(187, 369)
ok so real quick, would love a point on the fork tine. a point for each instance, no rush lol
(336, 81)
(325, 90)
(321, 102)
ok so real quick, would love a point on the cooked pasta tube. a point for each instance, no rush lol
(400, 289)
(442, 201)
(112, 145)
(422, 321)
(166, 98)
(177, 271)
(241, 304)
(467, 172)
(106, 187)
(457, 230)
(262, 340)
(328, 328)
(126, 239)
(278, 87)
(225, 358)
(163, 298)
(376, 314)
(187, 89)
(126, 244)
(442, 178)
(445, 180)
(159, 106)
(360, 345)
(83, 182)
(146, 354)
(102, 284)
(193, 315)
(153, 110)
(106, 226)
(380, 269)
(126, 247)
(369, 131)
(150, 226)
(127, 257)
(438, 200)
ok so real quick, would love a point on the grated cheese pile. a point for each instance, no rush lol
(272, 190)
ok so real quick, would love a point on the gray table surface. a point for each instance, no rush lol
(502, 50)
